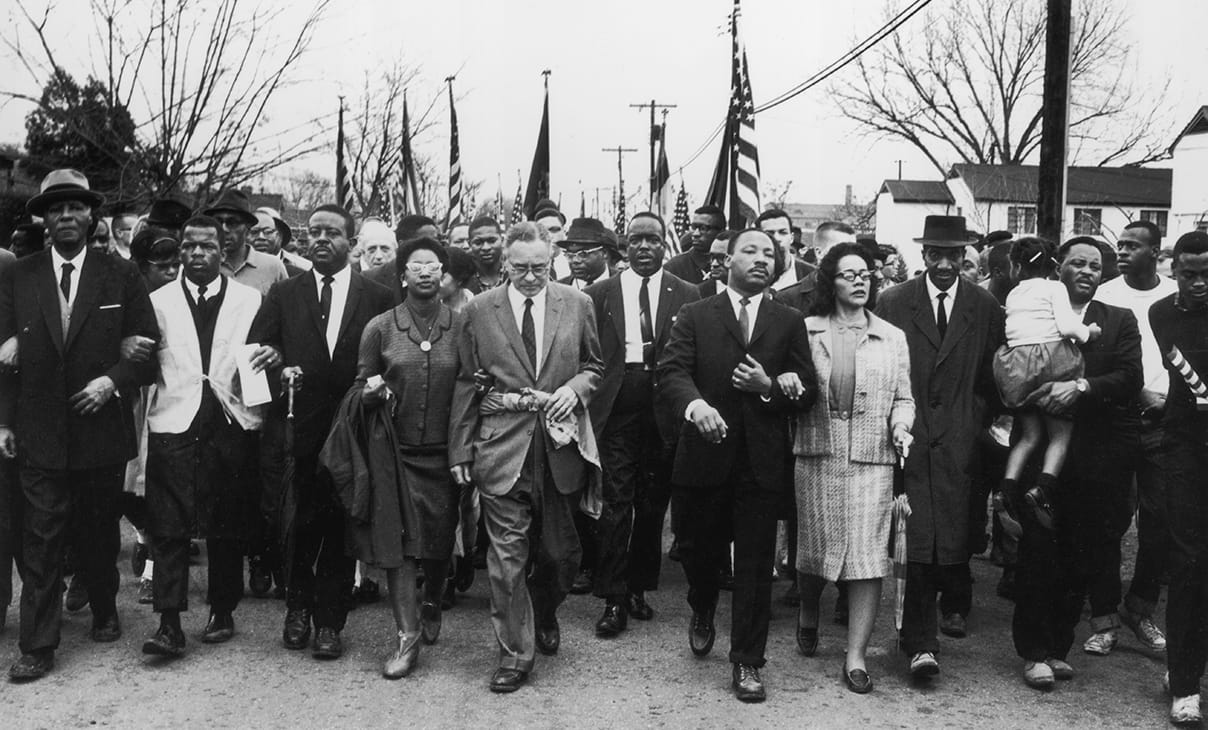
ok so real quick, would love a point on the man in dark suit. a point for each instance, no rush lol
(589, 248)
(716, 281)
(777, 224)
(71, 308)
(718, 373)
(693, 265)
(309, 329)
(634, 314)
(409, 228)
(952, 329)
(1059, 570)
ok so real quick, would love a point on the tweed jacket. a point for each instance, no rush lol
(882, 398)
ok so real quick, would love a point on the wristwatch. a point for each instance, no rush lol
(1082, 385)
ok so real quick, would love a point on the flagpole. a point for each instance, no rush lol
(453, 217)
(343, 188)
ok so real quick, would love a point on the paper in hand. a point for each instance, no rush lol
(253, 384)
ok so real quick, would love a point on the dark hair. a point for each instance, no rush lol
(545, 209)
(150, 245)
(1155, 233)
(874, 250)
(994, 237)
(772, 213)
(735, 235)
(460, 266)
(350, 223)
(423, 243)
(1195, 242)
(714, 211)
(483, 221)
(1000, 257)
(409, 225)
(652, 216)
(35, 236)
(1034, 256)
(885, 250)
(839, 226)
(828, 269)
(1079, 241)
(203, 221)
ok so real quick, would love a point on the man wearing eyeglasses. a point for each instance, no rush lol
(693, 265)
(270, 235)
(587, 246)
(537, 336)
(309, 331)
(243, 263)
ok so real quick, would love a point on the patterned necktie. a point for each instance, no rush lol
(528, 333)
(941, 314)
(325, 299)
(647, 327)
(744, 321)
(65, 281)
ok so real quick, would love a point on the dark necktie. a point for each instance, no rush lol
(528, 333)
(644, 319)
(941, 314)
(744, 321)
(65, 281)
(325, 299)
(201, 296)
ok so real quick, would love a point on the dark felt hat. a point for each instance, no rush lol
(169, 212)
(589, 232)
(59, 185)
(546, 208)
(233, 201)
(945, 231)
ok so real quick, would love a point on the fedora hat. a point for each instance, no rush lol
(589, 232)
(170, 211)
(945, 231)
(65, 184)
(233, 201)
(283, 229)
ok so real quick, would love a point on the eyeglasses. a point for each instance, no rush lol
(263, 230)
(424, 267)
(850, 276)
(579, 255)
(537, 270)
(717, 258)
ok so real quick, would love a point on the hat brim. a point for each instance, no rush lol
(943, 242)
(38, 204)
(247, 217)
(283, 230)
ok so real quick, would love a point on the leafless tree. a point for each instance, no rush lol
(966, 86)
(197, 78)
(307, 190)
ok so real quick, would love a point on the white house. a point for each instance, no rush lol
(1189, 160)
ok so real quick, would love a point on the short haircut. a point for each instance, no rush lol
(1034, 256)
(652, 216)
(714, 211)
(485, 221)
(350, 223)
(127, 214)
(839, 226)
(1155, 233)
(828, 270)
(150, 246)
(409, 225)
(1000, 256)
(1064, 250)
(735, 235)
(525, 231)
(1195, 242)
(773, 213)
(203, 221)
(423, 243)
(460, 266)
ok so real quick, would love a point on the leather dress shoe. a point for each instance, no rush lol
(146, 592)
(953, 624)
(327, 644)
(807, 640)
(296, 634)
(220, 628)
(167, 641)
(638, 608)
(549, 638)
(463, 578)
(138, 559)
(404, 659)
(429, 622)
(77, 594)
(701, 633)
(614, 620)
(857, 680)
(582, 584)
(259, 578)
(748, 687)
(508, 680)
(107, 630)
(32, 666)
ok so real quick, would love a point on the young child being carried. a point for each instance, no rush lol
(1039, 327)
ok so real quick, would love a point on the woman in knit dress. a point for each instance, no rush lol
(846, 447)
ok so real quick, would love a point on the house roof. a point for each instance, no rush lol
(917, 191)
(804, 212)
(1129, 186)
(1197, 125)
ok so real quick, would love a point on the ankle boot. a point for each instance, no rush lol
(404, 659)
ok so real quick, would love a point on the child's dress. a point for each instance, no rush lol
(1040, 322)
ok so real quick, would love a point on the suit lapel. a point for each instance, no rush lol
(507, 325)
(663, 312)
(726, 314)
(310, 297)
(553, 318)
(924, 318)
(615, 302)
(46, 286)
(355, 284)
(959, 319)
(763, 318)
(91, 282)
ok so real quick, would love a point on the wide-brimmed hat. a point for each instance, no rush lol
(589, 232)
(545, 208)
(170, 211)
(945, 231)
(65, 184)
(233, 201)
(283, 229)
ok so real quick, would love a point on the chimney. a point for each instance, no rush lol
(847, 196)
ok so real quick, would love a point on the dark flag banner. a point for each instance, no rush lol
(454, 216)
(410, 196)
(538, 180)
(343, 186)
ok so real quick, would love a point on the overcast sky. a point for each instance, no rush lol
(607, 55)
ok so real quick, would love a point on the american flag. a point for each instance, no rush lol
(343, 186)
(454, 216)
(744, 155)
(517, 206)
(681, 220)
(618, 223)
(410, 190)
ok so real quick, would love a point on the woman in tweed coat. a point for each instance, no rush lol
(846, 447)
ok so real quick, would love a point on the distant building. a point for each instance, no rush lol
(1189, 160)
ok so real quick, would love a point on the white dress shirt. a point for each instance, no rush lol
(339, 298)
(516, 299)
(580, 284)
(631, 288)
(752, 308)
(933, 293)
(78, 262)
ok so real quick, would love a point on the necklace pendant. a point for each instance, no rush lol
(425, 346)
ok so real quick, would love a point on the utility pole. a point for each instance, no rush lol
(1054, 131)
(620, 174)
(653, 105)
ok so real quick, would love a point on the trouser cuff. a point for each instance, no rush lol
(1138, 606)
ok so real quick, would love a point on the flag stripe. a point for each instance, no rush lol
(454, 216)
(343, 186)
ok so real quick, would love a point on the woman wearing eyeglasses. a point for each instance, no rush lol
(408, 364)
(846, 447)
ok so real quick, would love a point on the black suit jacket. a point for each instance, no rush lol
(681, 265)
(709, 287)
(705, 347)
(111, 303)
(387, 276)
(799, 296)
(289, 321)
(609, 307)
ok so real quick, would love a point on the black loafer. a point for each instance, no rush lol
(106, 630)
(166, 641)
(34, 665)
(748, 687)
(807, 640)
(259, 578)
(464, 577)
(1042, 508)
(857, 680)
(613, 622)
(548, 638)
(701, 633)
(429, 622)
(953, 624)
(220, 628)
(77, 594)
(582, 584)
(638, 608)
(508, 680)
(327, 644)
(296, 634)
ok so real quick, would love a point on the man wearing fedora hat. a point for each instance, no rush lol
(60, 416)
(588, 247)
(952, 329)
(243, 263)
(271, 234)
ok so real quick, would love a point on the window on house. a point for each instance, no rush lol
(1021, 219)
(1087, 221)
(1157, 217)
